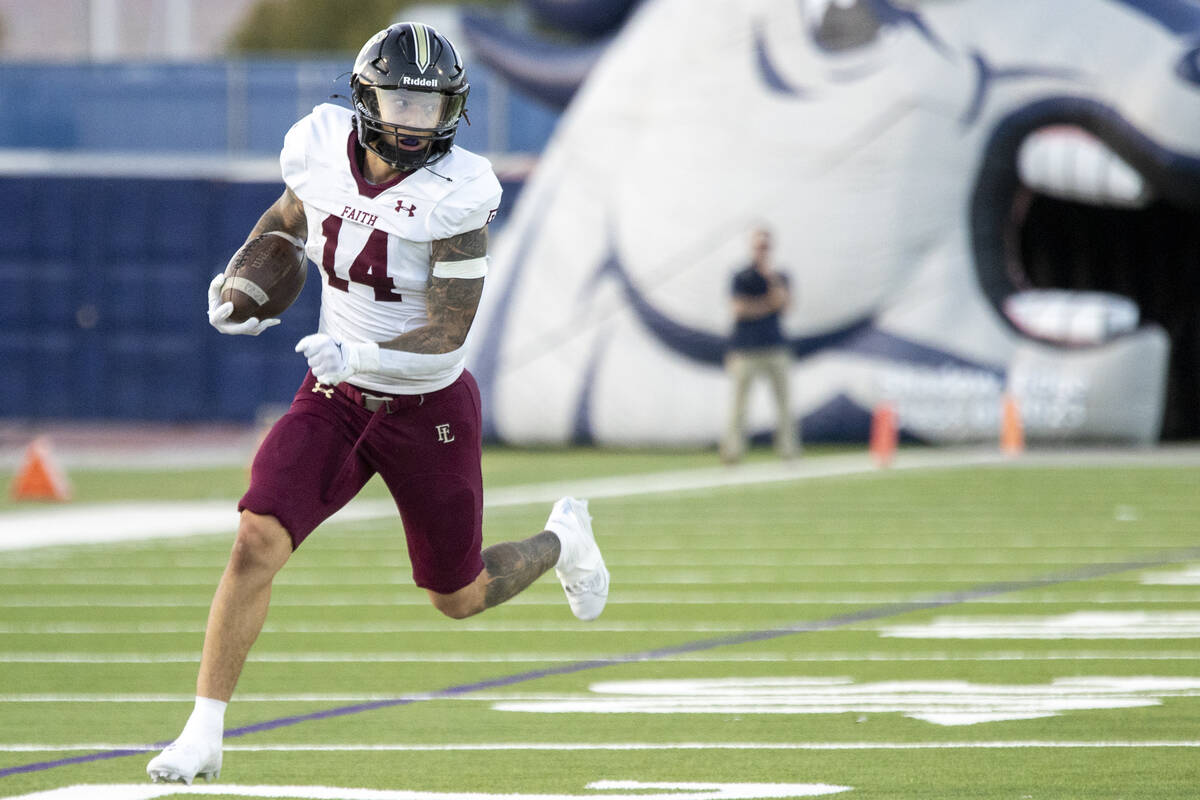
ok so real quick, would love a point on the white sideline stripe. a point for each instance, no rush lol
(584, 746)
(191, 657)
(117, 522)
(112, 522)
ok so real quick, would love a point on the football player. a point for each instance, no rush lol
(396, 217)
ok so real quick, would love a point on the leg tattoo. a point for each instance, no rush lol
(512, 566)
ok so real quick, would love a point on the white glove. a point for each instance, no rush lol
(332, 361)
(218, 313)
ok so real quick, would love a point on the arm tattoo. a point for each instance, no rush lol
(285, 214)
(512, 566)
(450, 303)
(463, 247)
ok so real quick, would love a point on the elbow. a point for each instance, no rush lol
(457, 336)
(449, 337)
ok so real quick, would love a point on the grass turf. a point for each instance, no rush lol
(98, 644)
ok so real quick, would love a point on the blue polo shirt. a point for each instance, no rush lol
(755, 334)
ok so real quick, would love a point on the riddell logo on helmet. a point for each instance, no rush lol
(410, 81)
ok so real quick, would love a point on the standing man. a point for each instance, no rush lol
(396, 216)
(758, 348)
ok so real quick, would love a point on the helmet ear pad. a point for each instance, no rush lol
(408, 59)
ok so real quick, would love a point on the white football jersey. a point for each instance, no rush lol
(372, 243)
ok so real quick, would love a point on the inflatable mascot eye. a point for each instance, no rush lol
(1188, 67)
(840, 25)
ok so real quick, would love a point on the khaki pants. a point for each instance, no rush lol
(743, 367)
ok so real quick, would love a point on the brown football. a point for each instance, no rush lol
(264, 277)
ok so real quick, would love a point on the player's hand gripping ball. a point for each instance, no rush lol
(263, 279)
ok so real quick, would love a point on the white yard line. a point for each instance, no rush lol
(867, 558)
(190, 657)
(311, 697)
(608, 746)
(344, 628)
(408, 598)
(715, 577)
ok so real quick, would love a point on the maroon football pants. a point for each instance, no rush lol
(426, 448)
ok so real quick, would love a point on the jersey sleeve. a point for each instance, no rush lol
(468, 207)
(293, 158)
(300, 160)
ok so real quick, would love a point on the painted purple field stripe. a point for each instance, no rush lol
(829, 623)
(66, 762)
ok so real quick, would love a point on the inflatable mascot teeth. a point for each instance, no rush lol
(903, 154)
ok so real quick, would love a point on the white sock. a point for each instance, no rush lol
(207, 719)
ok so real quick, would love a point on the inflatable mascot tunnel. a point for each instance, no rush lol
(974, 199)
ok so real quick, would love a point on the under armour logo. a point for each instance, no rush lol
(411, 208)
(443, 433)
(321, 388)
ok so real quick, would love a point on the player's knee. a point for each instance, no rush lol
(459, 605)
(262, 545)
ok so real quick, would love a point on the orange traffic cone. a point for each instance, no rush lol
(1012, 431)
(884, 434)
(39, 477)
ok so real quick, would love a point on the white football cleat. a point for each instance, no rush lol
(184, 760)
(580, 566)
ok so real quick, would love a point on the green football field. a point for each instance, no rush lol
(1021, 629)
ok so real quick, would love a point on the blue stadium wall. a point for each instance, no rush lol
(103, 287)
(102, 302)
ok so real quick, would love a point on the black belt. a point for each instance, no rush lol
(374, 402)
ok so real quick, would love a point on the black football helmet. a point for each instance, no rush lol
(409, 90)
